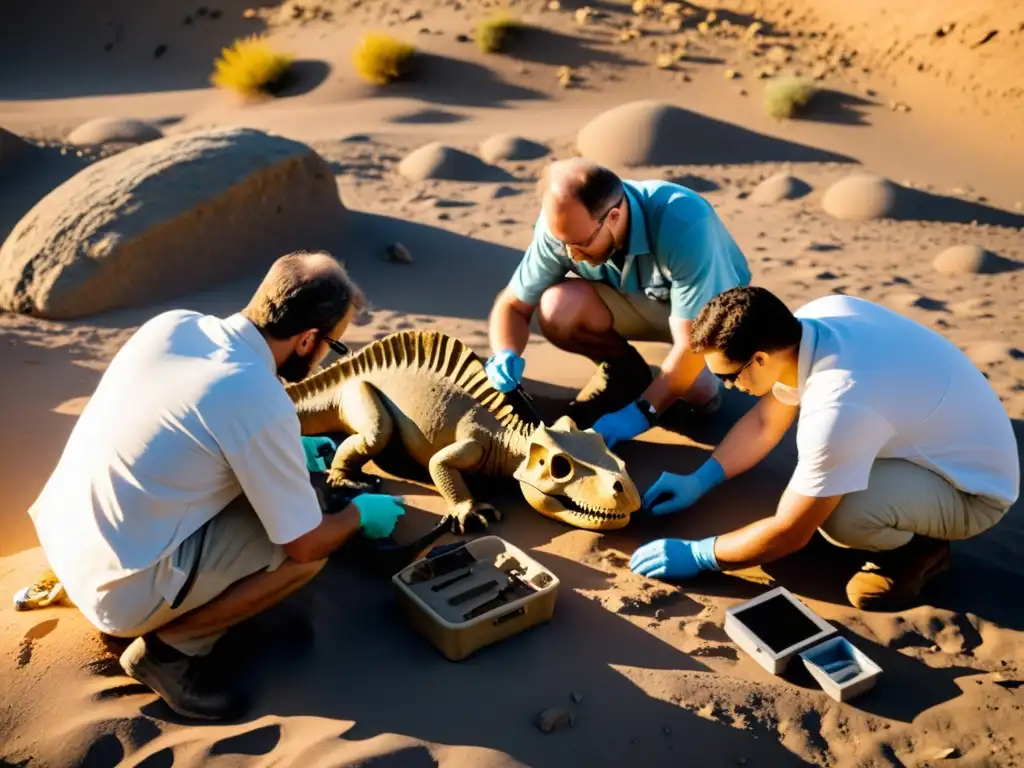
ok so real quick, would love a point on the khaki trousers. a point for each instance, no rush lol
(903, 499)
(235, 546)
(635, 316)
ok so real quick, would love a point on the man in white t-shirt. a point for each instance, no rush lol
(182, 503)
(903, 444)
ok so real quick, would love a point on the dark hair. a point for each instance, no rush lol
(742, 321)
(597, 189)
(303, 291)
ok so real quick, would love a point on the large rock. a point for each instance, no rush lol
(113, 130)
(779, 187)
(860, 197)
(652, 132)
(440, 161)
(971, 260)
(167, 218)
(507, 146)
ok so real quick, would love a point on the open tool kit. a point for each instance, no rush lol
(475, 594)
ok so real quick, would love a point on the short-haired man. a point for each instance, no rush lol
(182, 504)
(903, 445)
(650, 254)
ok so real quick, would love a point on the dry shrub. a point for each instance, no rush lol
(784, 97)
(250, 67)
(379, 58)
(492, 32)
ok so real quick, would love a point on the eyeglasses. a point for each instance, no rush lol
(730, 378)
(336, 346)
(600, 223)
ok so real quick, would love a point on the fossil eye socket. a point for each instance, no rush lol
(561, 467)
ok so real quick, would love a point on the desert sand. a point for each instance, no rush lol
(902, 185)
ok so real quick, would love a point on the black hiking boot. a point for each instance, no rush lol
(617, 382)
(184, 682)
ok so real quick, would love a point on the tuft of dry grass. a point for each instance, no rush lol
(785, 97)
(380, 58)
(492, 32)
(250, 67)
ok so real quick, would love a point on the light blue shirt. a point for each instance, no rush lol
(679, 251)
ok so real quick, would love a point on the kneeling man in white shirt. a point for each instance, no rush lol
(182, 504)
(903, 444)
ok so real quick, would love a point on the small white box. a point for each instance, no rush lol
(830, 660)
(774, 627)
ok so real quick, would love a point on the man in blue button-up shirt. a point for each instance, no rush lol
(650, 255)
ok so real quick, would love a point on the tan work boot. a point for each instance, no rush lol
(185, 683)
(616, 383)
(893, 580)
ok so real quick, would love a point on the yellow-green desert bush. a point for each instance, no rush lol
(492, 32)
(250, 66)
(379, 58)
(784, 97)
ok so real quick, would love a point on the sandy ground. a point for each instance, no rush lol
(342, 681)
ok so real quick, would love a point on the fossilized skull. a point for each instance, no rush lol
(570, 475)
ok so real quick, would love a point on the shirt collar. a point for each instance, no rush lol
(805, 357)
(637, 224)
(241, 327)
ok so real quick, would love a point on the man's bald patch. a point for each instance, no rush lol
(578, 181)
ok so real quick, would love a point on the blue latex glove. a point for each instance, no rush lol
(624, 424)
(378, 513)
(675, 558)
(505, 370)
(682, 490)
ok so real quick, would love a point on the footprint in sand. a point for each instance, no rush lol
(28, 641)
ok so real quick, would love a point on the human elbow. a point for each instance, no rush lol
(302, 551)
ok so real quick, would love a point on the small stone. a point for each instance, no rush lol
(554, 5)
(583, 14)
(660, 614)
(899, 106)
(552, 719)
(665, 60)
(731, 74)
(412, 15)
(398, 253)
(249, 13)
(461, 38)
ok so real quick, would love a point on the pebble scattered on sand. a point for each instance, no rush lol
(552, 719)
(398, 253)
(778, 187)
(860, 197)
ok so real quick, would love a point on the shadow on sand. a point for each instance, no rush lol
(918, 205)
(125, 47)
(537, 45)
(447, 81)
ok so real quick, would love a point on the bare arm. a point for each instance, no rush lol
(679, 370)
(510, 323)
(754, 435)
(787, 531)
(333, 531)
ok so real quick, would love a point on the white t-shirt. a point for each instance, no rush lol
(875, 384)
(188, 415)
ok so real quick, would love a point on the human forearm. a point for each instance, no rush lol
(754, 435)
(509, 326)
(334, 530)
(759, 542)
(678, 372)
